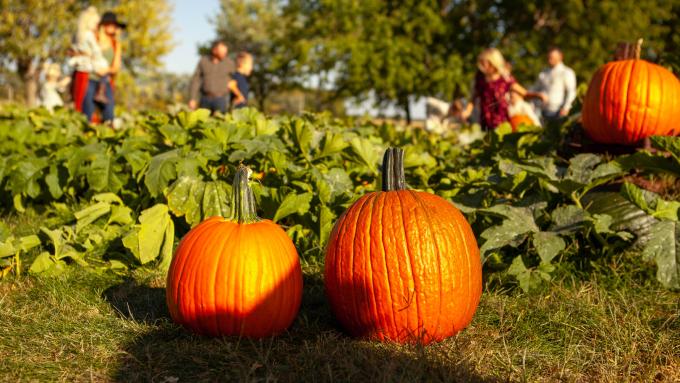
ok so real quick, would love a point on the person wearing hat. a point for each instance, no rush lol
(100, 86)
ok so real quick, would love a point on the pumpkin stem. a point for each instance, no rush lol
(638, 49)
(393, 170)
(243, 208)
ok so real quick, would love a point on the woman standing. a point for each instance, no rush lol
(100, 89)
(492, 86)
(84, 50)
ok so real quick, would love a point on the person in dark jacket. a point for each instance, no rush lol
(209, 84)
(238, 86)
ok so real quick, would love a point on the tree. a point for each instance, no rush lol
(31, 32)
(268, 29)
(35, 31)
(394, 49)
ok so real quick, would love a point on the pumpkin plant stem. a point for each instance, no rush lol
(393, 170)
(243, 208)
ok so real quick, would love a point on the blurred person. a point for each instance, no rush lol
(238, 85)
(556, 85)
(209, 86)
(100, 85)
(84, 53)
(491, 89)
(54, 84)
(520, 107)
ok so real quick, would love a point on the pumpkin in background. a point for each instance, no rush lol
(402, 265)
(629, 100)
(520, 119)
(237, 276)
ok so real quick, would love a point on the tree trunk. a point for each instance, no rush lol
(407, 109)
(28, 71)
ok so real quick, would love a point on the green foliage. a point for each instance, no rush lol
(115, 200)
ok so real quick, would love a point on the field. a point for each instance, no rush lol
(581, 251)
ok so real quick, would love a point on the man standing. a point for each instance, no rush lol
(557, 86)
(208, 87)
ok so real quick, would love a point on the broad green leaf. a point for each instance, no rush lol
(4, 231)
(7, 248)
(625, 215)
(189, 119)
(101, 174)
(641, 198)
(668, 210)
(28, 242)
(548, 245)
(366, 153)
(121, 215)
(568, 218)
(663, 247)
(148, 240)
(303, 134)
(293, 203)
(52, 181)
(90, 214)
(602, 223)
(175, 134)
(332, 144)
(669, 144)
(42, 263)
(197, 200)
(162, 170)
(581, 167)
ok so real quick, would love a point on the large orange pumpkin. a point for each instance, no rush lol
(237, 276)
(520, 119)
(402, 265)
(629, 100)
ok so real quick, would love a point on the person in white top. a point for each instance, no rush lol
(556, 86)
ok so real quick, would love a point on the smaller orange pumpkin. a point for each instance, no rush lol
(520, 119)
(235, 276)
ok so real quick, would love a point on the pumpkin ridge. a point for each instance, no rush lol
(202, 273)
(368, 271)
(410, 268)
(288, 267)
(648, 70)
(469, 312)
(387, 269)
(187, 263)
(628, 72)
(440, 254)
(218, 263)
(195, 305)
(175, 276)
(218, 273)
(358, 319)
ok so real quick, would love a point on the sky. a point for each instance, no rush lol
(190, 28)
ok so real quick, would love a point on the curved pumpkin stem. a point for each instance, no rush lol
(243, 208)
(638, 49)
(393, 170)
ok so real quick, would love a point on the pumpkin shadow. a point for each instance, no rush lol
(137, 302)
(312, 349)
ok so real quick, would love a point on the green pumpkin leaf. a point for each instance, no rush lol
(548, 245)
(332, 144)
(90, 214)
(162, 169)
(52, 181)
(175, 134)
(663, 247)
(150, 239)
(292, 204)
(366, 153)
(189, 119)
(326, 222)
(197, 200)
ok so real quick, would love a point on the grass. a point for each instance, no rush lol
(612, 326)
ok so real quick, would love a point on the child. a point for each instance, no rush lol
(238, 85)
(49, 91)
(519, 107)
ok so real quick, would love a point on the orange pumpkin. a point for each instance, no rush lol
(520, 119)
(237, 276)
(630, 100)
(402, 265)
